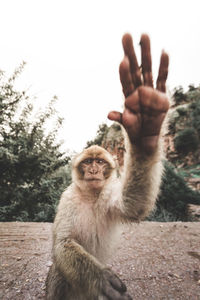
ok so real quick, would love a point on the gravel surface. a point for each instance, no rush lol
(155, 260)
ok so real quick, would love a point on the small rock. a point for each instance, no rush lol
(49, 263)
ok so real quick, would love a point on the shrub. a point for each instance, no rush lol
(195, 114)
(182, 111)
(179, 96)
(174, 198)
(186, 140)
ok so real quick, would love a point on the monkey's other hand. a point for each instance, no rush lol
(145, 106)
(112, 287)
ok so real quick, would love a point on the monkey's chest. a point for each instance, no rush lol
(96, 233)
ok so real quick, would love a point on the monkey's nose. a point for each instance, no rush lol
(93, 169)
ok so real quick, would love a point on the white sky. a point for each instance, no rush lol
(73, 50)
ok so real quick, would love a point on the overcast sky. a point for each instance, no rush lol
(73, 50)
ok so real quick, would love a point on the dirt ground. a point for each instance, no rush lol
(155, 260)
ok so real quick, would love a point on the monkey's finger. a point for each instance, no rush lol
(125, 77)
(113, 294)
(146, 60)
(130, 53)
(115, 116)
(163, 72)
(117, 283)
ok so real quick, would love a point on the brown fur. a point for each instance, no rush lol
(87, 221)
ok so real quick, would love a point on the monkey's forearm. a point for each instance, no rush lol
(142, 182)
(76, 264)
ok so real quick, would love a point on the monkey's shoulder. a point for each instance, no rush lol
(67, 198)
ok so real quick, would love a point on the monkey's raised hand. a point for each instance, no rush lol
(145, 107)
(112, 287)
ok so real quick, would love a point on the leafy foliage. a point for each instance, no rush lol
(195, 114)
(102, 131)
(184, 122)
(186, 140)
(30, 183)
(192, 171)
(174, 197)
(179, 96)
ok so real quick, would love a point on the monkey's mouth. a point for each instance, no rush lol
(93, 179)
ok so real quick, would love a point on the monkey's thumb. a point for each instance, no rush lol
(115, 116)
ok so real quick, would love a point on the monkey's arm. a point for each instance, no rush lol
(141, 181)
(144, 112)
(75, 264)
(82, 270)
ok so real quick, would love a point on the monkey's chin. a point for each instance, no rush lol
(95, 184)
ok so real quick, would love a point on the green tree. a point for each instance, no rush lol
(101, 133)
(184, 121)
(186, 140)
(30, 159)
(179, 96)
(175, 195)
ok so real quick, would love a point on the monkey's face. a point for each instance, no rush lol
(92, 168)
(94, 172)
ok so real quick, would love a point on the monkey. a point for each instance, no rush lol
(93, 208)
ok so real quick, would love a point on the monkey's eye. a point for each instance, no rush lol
(100, 161)
(87, 161)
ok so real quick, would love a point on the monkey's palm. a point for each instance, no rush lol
(145, 107)
(144, 112)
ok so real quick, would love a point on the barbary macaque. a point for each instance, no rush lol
(98, 201)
